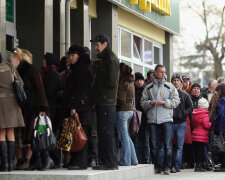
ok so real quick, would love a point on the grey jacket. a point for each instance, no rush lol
(160, 90)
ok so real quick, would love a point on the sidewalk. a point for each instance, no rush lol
(140, 172)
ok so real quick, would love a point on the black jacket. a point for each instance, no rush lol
(195, 101)
(183, 109)
(107, 79)
(138, 95)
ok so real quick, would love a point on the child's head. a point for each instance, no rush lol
(203, 104)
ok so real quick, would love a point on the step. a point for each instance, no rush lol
(139, 172)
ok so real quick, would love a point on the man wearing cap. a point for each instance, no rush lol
(105, 95)
(158, 100)
(179, 121)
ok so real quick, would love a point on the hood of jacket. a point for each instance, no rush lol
(199, 113)
(159, 81)
(51, 59)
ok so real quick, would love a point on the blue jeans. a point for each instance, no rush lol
(161, 133)
(128, 154)
(146, 145)
(178, 130)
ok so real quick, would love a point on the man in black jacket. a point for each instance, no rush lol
(105, 94)
(179, 121)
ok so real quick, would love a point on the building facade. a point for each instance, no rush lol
(141, 31)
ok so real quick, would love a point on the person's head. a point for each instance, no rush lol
(75, 51)
(212, 85)
(176, 81)
(186, 82)
(220, 89)
(50, 60)
(87, 51)
(203, 104)
(0, 58)
(139, 80)
(101, 42)
(195, 90)
(17, 56)
(220, 80)
(160, 71)
(125, 70)
(149, 75)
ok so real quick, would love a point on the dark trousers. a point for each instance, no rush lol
(55, 155)
(93, 140)
(188, 155)
(199, 150)
(222, 159)
(81, 158)
(106, 120)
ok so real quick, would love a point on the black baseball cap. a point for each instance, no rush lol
(185, 78)
(101, 38)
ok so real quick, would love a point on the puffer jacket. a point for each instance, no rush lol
(201, 125)
(160, 90)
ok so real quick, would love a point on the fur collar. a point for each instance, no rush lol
(24, 67)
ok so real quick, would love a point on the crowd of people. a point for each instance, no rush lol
(175, 123)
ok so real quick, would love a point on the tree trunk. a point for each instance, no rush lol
(218, 68)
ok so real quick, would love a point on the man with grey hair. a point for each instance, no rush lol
(207, 93)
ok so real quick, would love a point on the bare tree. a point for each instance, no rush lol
(214, 24)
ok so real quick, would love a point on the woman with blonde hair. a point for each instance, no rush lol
(10, 115)
(36, 103)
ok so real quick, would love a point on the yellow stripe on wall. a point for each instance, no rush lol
(140, 26)
(92, 9)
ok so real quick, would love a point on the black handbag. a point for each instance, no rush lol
(42, 141)
(18, 89)
(216, 141)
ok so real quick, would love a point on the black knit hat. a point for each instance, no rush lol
(51, 59)
(138, 76)
(195, 85)
(76, 49)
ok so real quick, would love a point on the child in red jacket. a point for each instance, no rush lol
(200, 133)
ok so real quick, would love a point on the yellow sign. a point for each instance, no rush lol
(162, 6)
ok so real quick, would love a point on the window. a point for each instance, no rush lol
(148, 53)
(156, 55)
(138, 68)
(140, 53)
(125, 44)
(137, 47)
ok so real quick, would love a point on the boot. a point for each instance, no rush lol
(4, 156)
(48, 162)
(199, 168)
(11, 154)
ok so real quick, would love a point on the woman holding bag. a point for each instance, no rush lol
(76, 96)
(35, 105)
(125, 107)
(10, 115)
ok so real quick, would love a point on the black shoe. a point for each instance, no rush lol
(221, 169)
(199, 168)
(48, 164)
(75, 167)
(57, 166)
(173, 170)
(92, 163)
(11, 154)
(31, 167)
(178, 169)
(103, 167)
(4, 156)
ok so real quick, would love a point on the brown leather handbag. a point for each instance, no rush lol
(79, 136)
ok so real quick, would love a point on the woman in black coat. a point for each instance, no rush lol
(52, 85)
(76, 96)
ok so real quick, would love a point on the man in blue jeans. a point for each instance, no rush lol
(179, 122)
(158, 100)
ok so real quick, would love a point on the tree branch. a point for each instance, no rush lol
(221, 27)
